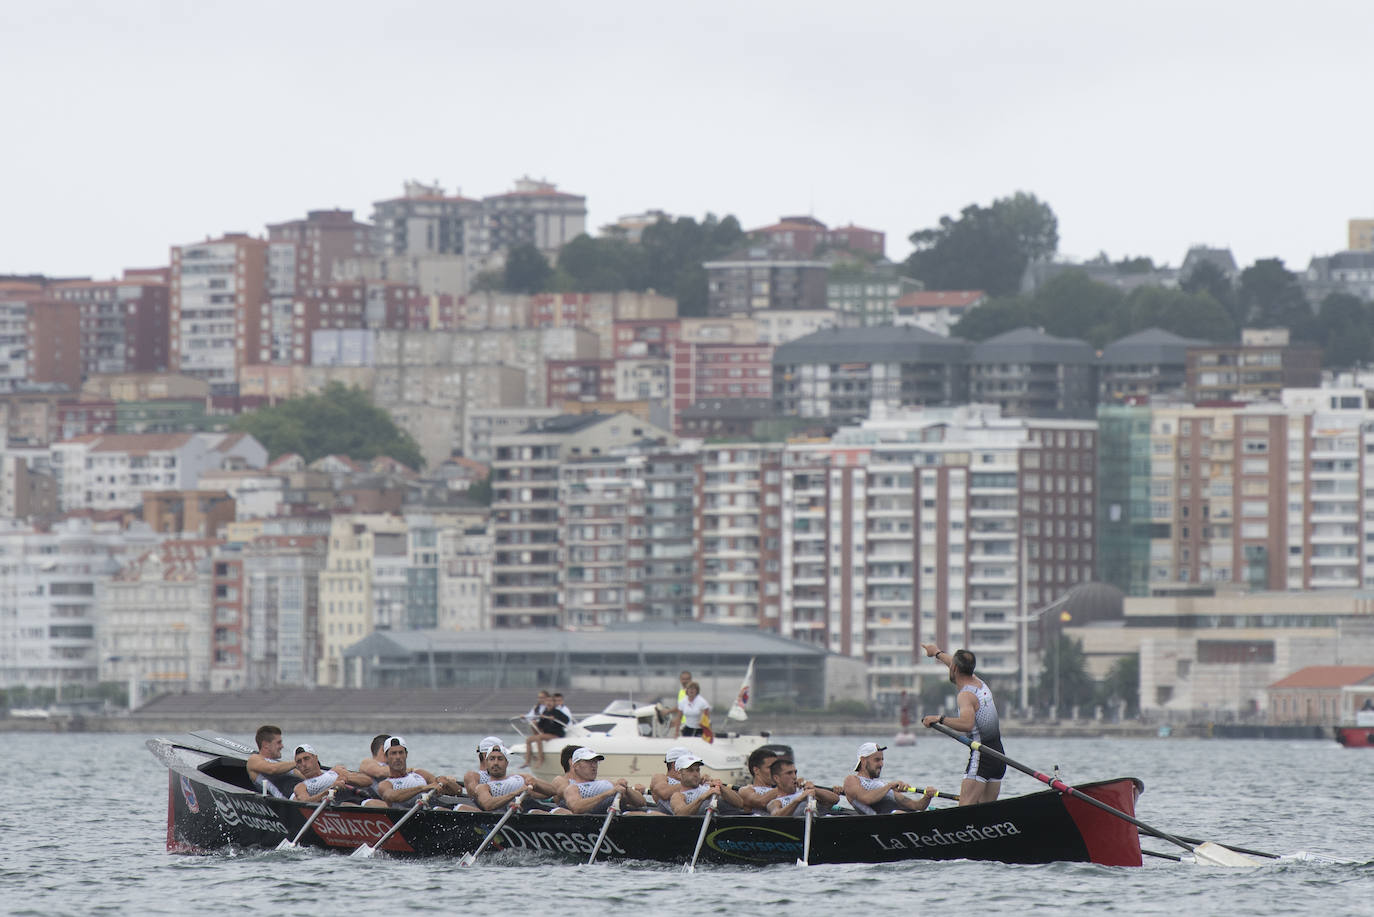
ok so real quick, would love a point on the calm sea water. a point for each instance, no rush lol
(83, 826)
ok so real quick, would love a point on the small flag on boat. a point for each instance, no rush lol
(706, 732)
(739, 709)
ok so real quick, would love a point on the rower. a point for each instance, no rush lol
(473, 779)
(977, 717)
(586, 795)
(871, 795)
(697, 789)
(501, 787)
(267, 771)
(350, 787)
(560, 783)
(793, 791)
(763, 790)
(406, 782)
(662, 786)
(375, 766)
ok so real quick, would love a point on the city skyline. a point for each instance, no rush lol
(168, 125)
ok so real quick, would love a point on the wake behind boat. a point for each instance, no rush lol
(212, 807)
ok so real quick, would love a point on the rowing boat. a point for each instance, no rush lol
(211, 807)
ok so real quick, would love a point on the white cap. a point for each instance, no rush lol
(585, 754)
(487, 744)
(867, 749)
(505, 752)
(671, 756)
(308, 749)
(686, 761)
(394, 742)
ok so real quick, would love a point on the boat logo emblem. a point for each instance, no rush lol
(188, 792)
(224, 807)
(751, 843)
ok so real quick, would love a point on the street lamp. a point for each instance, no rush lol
(1025, 618)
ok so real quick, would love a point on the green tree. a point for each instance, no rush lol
(992, 318)
(1122, 684)
(1073, 305)
(1270, 297)
(527, 270)
(1076, 687)
(1206, 277)
(1192, 315)
(479, 491)
(674, 251)
(1342, 328)
(603, 264)
(337, 421)
(985, 248)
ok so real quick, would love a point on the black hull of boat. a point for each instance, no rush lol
(206, 814)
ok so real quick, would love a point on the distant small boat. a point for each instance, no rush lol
(1360, 735)
(904, 738)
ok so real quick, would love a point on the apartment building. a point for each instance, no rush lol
(482, 425)
(704, 371)
(363, 585)
(808, 236)
(219, 299)
(737, 528)
(934, 525)
(49, 579)
(601, 504)
(14, 336)
(55, 342)
(937, 311)
(1147, 364)
(281, 580)
(122, 324)
(1257, 369)
(840, 375)
(153, 621)
(112, 471)
(1028, 373)
(761, 278)
(525, 508)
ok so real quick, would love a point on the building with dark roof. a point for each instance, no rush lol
(1149, 362)
(640, 661)
(838, 374)
(1028, 373)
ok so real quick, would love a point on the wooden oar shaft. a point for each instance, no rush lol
(500, 823)
(610, 813)
(1057, 784)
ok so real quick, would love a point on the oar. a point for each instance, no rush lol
(365, 852)
(701, 838)
(610, 814)
(292, 844)
(1253, 853)
(806, 843)
(1208, 852)
(470, 858)
(939, 794)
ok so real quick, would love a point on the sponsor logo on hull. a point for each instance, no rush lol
(353, 829)
(758, 845)
(235, 809)
(556, 841)
(188, 792)
(935, 838)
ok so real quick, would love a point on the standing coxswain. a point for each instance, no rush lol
(977, 717)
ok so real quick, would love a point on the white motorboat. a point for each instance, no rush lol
(635, 737)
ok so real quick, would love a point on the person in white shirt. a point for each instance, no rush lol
(690, 710)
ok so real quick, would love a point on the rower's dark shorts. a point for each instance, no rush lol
(984, 768)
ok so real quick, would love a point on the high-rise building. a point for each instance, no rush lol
(219, 299)
(123, 323)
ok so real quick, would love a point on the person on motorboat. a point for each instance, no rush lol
(553, 723)
(662, 786)
(684, 679)
(501, 787)
(562, 707)
(696, 788)
(406, 782)
(586, 795)
(534, 744)
(689, 712)
(268, 773)
(350, 787)
(977, 717)
(869, 794)
(793, 791)
(473, 779)
(375, 766)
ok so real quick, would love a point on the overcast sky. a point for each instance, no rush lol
(130, 127)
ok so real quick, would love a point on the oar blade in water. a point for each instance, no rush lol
(1210, 854)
